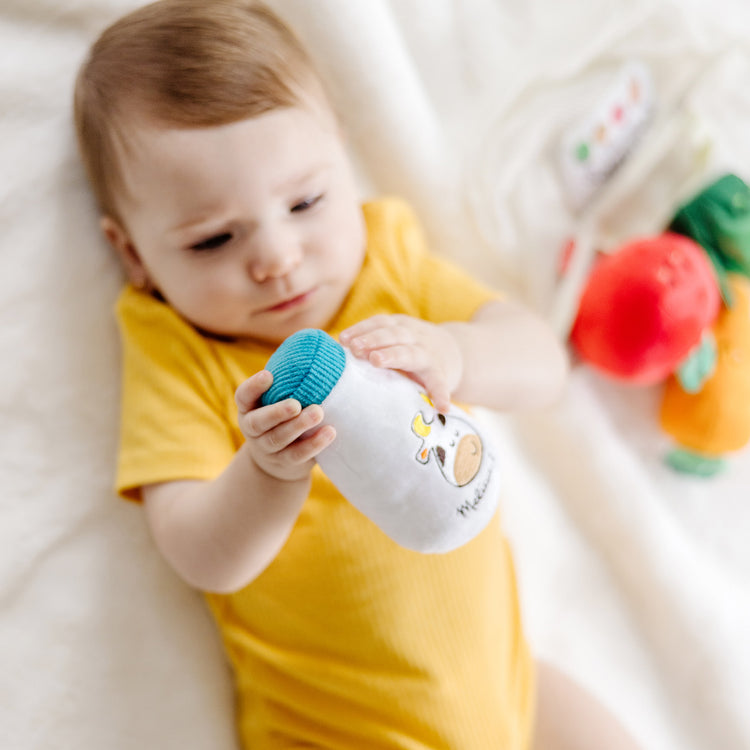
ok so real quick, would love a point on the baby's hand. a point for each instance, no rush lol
(274, 433)
(425, 351)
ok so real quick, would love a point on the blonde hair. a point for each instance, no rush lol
(184, 63)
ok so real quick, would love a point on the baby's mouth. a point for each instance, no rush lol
(290, 302)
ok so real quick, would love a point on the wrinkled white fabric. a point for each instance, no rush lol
(632, 578)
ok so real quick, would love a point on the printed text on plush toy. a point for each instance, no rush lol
(479, 492)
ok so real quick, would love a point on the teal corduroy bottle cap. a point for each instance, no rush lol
(305, 367)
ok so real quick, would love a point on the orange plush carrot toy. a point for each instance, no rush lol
(712, 418)
(715, 419)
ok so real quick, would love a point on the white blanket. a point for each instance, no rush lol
(632, 578)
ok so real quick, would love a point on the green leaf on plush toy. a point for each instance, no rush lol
(718, 219)
(734, 240)
(699, 365)
(687, 462)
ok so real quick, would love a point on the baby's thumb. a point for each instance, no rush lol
(247, 394)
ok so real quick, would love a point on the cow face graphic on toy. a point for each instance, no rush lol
(453, 442)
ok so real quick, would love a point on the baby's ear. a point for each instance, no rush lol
(118, 237)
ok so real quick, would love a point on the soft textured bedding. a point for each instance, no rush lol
(633, 578)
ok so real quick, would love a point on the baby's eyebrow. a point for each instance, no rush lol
(204, 220)
(299, 179)
(208, 219)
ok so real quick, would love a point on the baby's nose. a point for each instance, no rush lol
(275, 255)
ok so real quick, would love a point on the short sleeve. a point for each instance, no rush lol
(443, 290)
(174, 422)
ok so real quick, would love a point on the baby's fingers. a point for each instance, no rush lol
(438, 391)
(362, 327)
(283, 435)
(307, 448)
(417, 363)
(406, 357)
(258, 422)
(247, 394)
(376, 333)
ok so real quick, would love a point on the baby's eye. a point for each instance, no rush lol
(212, 242)
(306, 204)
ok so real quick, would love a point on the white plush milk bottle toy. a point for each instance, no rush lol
(430, 481)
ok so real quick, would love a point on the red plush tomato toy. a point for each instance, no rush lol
(645, 307)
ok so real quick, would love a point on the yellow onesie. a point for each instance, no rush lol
(346, 641)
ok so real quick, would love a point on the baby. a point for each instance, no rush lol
(225, 188)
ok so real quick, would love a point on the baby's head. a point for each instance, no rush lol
(219, 167)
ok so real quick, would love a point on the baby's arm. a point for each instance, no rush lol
(506, 357)
(219, 535)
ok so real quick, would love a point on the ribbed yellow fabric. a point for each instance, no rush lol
(346, 641)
